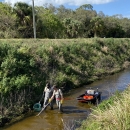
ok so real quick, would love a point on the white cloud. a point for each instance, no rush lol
(61, 2)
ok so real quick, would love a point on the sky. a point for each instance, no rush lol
(108, 7)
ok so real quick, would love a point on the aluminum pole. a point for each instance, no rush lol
(34, 24)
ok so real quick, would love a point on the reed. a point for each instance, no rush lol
(71, 124)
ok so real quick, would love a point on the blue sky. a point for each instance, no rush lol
(108, 7)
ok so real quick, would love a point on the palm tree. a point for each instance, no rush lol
(24, 18)
(96, 24)
(73, 27)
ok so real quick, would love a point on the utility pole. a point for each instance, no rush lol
(34, 24)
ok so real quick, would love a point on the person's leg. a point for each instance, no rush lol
(57, 103)
(59, 106)
(45, 102)
(51, 105)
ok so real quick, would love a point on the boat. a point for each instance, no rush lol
(90, 96)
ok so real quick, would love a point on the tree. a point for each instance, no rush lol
(97, 25)
(73, 27)
(86, 6)
(50, 7)
(24, 21)
(84, 17)
(101, 14)
(7, 22)
(63, 13)
(113, 27)
(125, 23)
(49, 24)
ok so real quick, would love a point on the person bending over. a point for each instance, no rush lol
(57, 93)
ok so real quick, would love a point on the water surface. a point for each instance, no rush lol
(73, 110)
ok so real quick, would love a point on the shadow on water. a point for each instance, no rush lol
(73, 111)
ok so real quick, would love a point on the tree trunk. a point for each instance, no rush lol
(95, 34)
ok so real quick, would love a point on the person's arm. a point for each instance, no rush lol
(52, 96)
(45, 89)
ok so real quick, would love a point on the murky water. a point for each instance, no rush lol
(73, 110)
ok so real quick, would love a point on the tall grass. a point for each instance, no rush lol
(115, 116)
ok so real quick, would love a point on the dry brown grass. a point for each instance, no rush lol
(104, 49)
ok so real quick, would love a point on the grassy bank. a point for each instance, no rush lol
(27, 64)
(113, 114)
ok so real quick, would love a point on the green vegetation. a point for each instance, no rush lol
(59, 22)
(26, 66)
(112, 114)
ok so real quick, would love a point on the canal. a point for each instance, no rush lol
(74, 112)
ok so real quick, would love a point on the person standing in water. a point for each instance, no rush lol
(57, 93)
(48, 91)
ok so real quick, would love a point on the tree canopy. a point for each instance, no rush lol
(60, 22)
